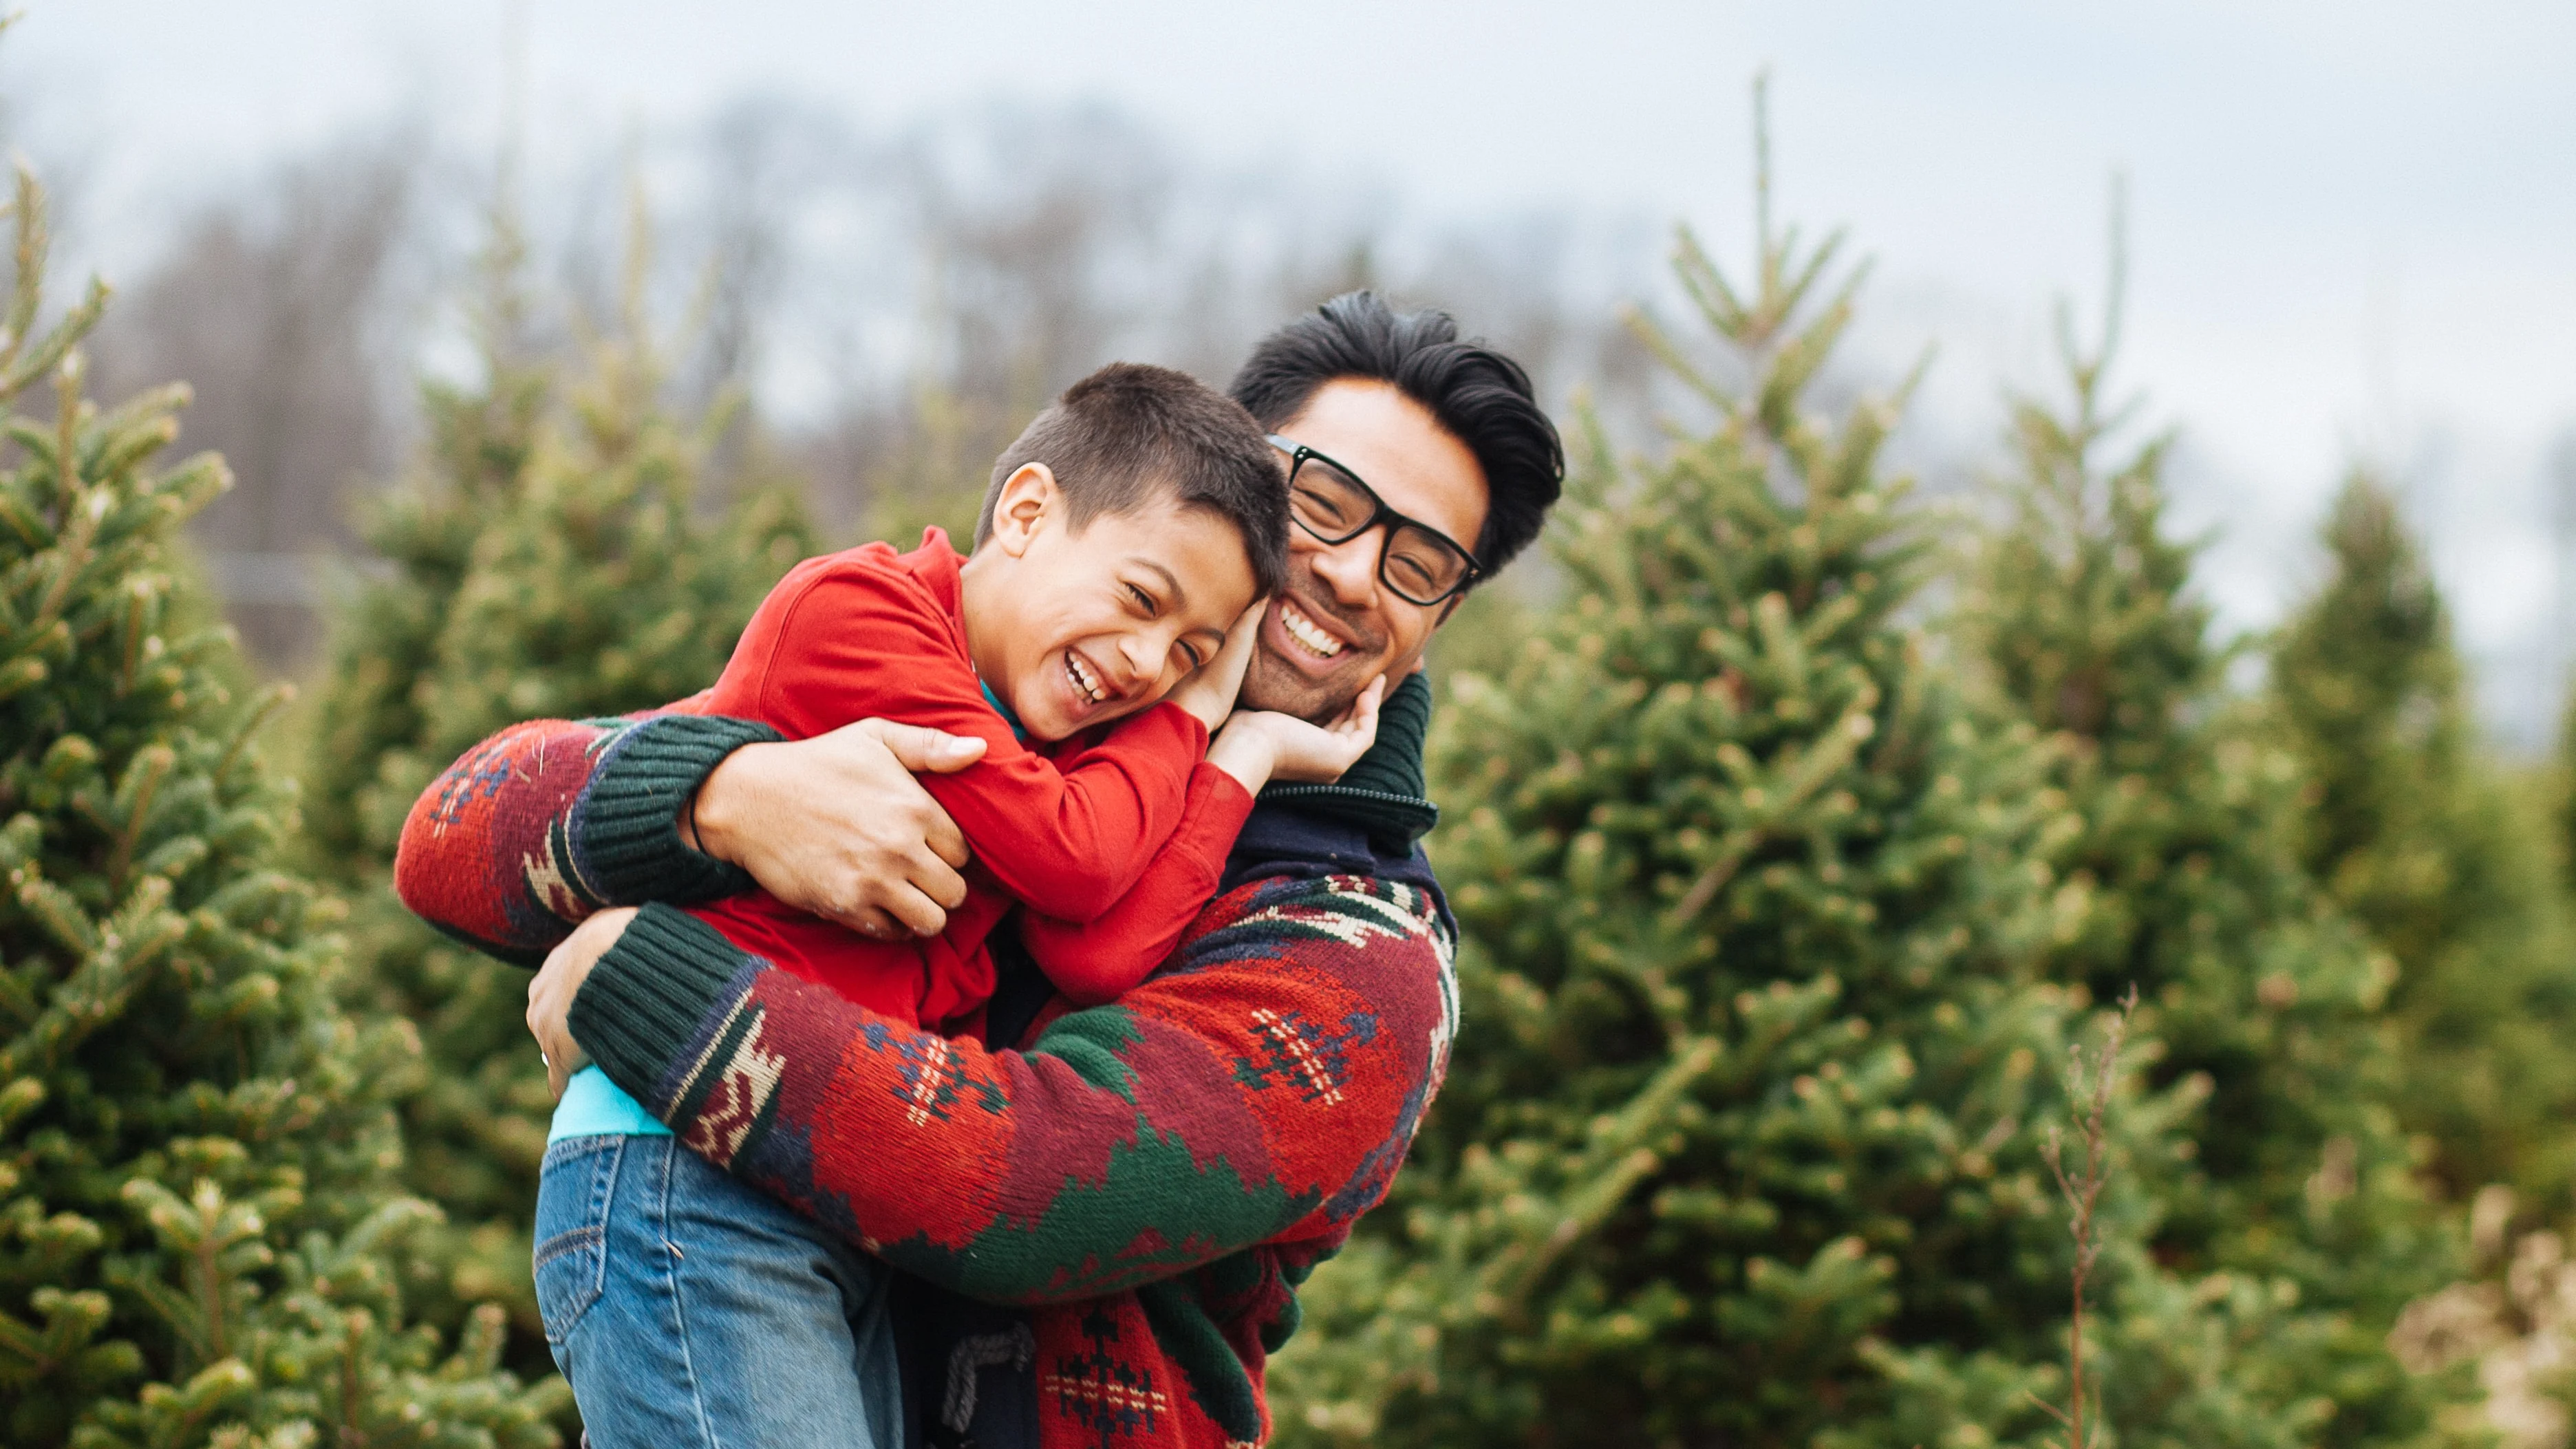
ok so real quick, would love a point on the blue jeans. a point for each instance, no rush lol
(690, 1311)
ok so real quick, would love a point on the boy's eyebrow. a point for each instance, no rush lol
(1180, 596)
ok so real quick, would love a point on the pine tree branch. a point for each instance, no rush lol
(1806, 774)
(1612, 1165)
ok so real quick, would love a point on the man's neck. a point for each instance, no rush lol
(1383, 792)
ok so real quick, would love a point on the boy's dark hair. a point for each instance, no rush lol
(1480, 396)
(1129, 432)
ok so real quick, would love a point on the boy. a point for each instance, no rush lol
(1123, 537)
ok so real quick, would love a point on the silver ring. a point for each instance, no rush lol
(542, 1057)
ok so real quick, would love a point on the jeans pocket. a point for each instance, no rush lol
(575, 1187)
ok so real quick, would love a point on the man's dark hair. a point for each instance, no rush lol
(1130, 433)
(1480, 396)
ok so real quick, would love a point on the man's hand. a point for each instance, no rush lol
(1210, 689)
(837, 826)
(551, 992)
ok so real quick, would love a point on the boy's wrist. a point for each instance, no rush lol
(1246, 751)
(1202, 705)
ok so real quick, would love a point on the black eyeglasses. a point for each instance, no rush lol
(1420, 564)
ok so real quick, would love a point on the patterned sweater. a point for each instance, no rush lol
(1150, 1180)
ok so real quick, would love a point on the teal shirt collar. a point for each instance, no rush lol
(1004, 711)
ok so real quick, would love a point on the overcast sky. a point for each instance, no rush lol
(2353, 224)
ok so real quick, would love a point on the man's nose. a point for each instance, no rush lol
(1350, 568)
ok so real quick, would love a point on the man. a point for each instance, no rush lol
(1106, 1212)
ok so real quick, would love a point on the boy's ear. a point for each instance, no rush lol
(1028, 499)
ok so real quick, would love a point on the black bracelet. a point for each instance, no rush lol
(697, 840)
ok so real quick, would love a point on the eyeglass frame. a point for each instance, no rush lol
(1381, 516)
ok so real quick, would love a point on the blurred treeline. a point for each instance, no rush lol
(897, 305)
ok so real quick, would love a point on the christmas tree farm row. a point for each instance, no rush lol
(1794, 847)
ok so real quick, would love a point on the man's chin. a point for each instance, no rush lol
(1270, 682)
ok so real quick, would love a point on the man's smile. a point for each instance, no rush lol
(1313, 649)
(1310, 635)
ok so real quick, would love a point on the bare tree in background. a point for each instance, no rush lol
(1045, 243)
(274, 308)
(1026, 239)
(763, 157)
(895, 305)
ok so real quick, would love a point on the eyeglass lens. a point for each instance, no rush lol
(1335, 507)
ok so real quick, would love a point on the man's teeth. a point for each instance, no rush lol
(1083, 679)
(1304, 631)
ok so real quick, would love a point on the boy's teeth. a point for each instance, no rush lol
(1303, 630)
(1082, 678)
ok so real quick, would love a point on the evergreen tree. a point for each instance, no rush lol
(2415, 834)
(199, 1216)
(386, 635)
(2563, 797)
(2184, 878)
(552, 558)
(1740, 1141)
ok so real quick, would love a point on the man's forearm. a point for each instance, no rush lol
(1268, 1083)
(542, 824)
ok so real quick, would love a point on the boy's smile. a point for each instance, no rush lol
(1075, 630)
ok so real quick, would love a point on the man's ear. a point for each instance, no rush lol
(1028, 499)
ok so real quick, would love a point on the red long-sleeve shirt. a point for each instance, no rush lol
(1113, 840)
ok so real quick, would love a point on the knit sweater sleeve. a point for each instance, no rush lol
(1262, 1088)
(542, 824)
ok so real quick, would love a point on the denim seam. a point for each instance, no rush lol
(571, 1240)
(566, 1149)
(594, 1220)
(671, 1259)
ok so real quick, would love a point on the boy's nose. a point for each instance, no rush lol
(1137, 660)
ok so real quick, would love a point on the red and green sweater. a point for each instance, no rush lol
(1149, 1180)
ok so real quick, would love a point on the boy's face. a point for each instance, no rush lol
(1076, 629)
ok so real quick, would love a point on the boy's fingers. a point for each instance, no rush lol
(1239, 639)
(921, 748)
(1362, 716)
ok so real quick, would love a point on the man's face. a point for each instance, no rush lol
(1333, 597)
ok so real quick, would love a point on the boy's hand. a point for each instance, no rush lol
(551, 990)
(1210, 690)
(1259, 746)
(1318, 754)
